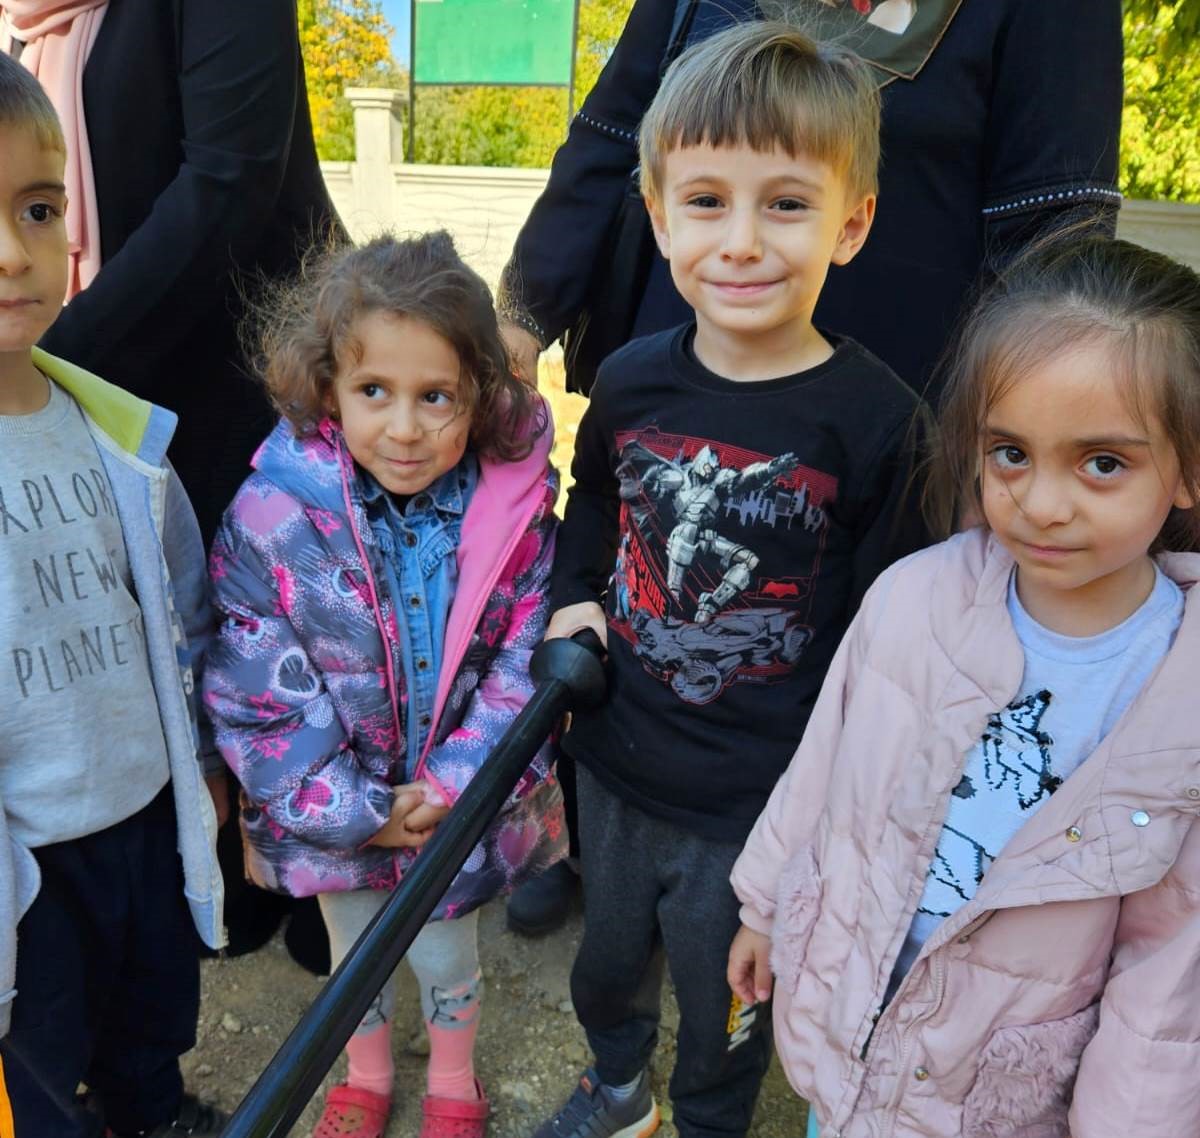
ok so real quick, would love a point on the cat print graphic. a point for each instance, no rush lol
(1016, 753)
(1016, 757)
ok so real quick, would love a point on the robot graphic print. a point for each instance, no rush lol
(704, 589)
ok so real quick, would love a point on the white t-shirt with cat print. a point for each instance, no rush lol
(1073, 692)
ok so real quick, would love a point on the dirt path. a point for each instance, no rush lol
(531, 1049)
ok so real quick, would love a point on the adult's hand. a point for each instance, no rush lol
(523, 349)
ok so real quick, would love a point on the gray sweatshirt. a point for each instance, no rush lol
(82, 746)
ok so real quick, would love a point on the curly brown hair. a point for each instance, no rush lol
(306, 334)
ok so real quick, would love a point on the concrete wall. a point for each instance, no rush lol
(1169, 227)
(484, 207)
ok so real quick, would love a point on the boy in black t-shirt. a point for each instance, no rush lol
(739, 482)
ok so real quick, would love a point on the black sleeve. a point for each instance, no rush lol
(562, 240)
(1054, 123)
(586, 545)
(239, 84)
(891, 524)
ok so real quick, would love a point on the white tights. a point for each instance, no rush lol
(444, 958)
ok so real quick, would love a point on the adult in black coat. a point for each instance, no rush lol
(999, 116)
(207, 183)
(206, 178)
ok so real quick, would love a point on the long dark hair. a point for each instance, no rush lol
(1076, 287)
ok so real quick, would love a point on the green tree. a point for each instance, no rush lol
(345, 43)
(600, 24)
(489, 126)
(1160, 130)
(1183, 23)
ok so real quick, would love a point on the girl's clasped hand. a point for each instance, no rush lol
(417, 808)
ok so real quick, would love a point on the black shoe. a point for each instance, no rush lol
(592, 1112)
(194, 1119)
(541, 904)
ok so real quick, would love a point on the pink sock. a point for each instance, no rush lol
(452, 1059)
(371, 1064)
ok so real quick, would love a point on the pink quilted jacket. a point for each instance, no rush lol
(1064, 1000)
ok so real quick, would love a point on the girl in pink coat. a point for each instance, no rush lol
(976, 890)
(382, 575)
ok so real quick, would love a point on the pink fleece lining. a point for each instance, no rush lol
(504, 502)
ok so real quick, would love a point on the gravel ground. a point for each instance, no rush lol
(530, 1051)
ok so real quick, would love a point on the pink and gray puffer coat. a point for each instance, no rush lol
(305, 680)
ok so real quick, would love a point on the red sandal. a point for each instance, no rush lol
(351, 1112)
(455, 1117)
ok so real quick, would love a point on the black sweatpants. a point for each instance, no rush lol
(655, 892)
(108, 984)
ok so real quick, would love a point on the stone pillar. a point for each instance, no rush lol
(378, 147)
(378, 124)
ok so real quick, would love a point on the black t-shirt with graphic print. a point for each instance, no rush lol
(730, 530)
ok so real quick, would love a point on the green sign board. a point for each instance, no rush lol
(518, 42)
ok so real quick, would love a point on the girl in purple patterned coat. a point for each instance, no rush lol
(382, 576)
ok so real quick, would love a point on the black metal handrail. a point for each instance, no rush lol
(569, 674)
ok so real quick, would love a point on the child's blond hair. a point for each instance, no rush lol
(23, 103)
(766, 85)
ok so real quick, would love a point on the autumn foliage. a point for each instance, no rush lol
(346, 43)
(1160, 131)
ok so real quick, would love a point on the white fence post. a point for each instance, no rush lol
(1170, 227)
(378, 147)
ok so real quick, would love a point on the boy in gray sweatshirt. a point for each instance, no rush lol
(109, 858)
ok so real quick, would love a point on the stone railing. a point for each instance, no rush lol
(1169, 227)
(484, 207)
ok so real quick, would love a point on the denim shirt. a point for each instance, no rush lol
(418, 544)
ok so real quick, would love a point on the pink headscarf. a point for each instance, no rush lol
(58, 37)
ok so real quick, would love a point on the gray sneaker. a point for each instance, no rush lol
(591, 1112)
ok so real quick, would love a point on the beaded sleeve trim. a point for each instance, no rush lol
(606, 128)
(523, 320)
(1052, 198)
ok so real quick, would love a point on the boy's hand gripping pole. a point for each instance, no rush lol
(569, 674)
